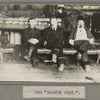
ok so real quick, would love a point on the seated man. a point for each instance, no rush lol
(80, 39)
(53, 40)
(31, 41)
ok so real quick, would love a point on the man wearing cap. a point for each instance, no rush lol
(80, 39)
(53, 40)
(66, 22)
(31, 40)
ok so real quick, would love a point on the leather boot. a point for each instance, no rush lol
(35, 62)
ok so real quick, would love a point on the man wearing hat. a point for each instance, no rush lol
(80, 38)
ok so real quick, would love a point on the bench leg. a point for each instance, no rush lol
(1, 57)
(98, 59)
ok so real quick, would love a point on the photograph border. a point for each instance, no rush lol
(50, 2)
(88, 86)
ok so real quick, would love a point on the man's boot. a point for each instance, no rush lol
(34, 62)
(54, 58)
(61, 67)
(87, 68)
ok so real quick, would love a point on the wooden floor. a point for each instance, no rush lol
(48, 73)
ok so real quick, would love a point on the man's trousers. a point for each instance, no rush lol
(57, 48)
(82, 47)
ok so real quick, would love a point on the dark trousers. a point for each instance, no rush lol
(82, 47)
(57, 48)
(35, 50)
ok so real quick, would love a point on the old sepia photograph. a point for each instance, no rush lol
(50, 43)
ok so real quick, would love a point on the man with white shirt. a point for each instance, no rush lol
(53, 40)
(80, 39)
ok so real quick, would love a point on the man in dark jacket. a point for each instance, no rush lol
(80, 39)
(31, 41)
(53, 39)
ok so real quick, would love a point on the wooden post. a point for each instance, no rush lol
(1, 55)
(98, 59)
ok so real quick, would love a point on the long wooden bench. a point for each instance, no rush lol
(46, 51)
(72, 51)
